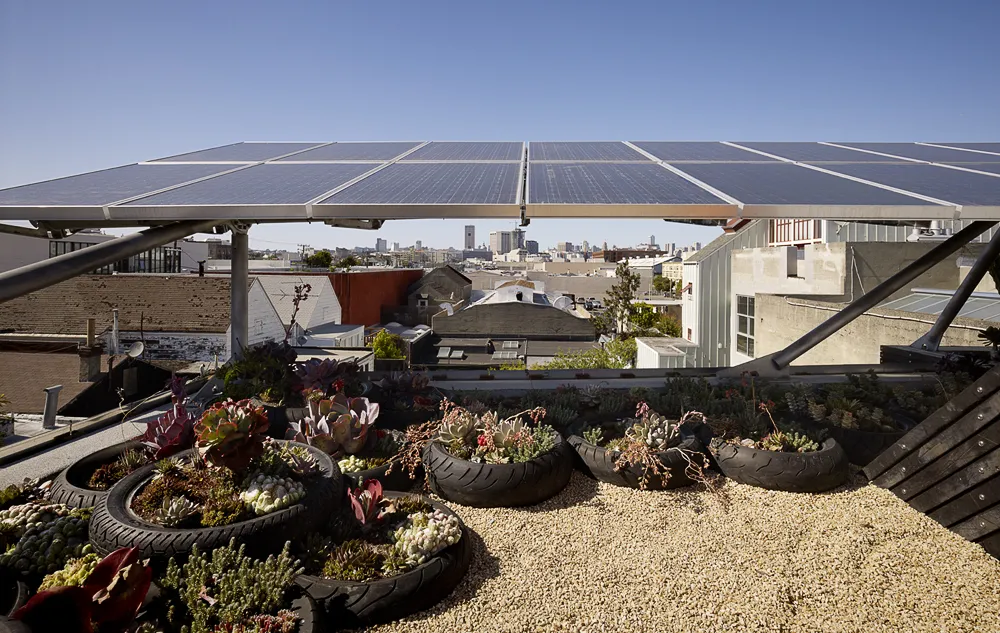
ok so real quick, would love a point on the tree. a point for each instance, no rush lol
(678, 288)
(616, 354)
(387, 345)
(618, 300)
(319, 259)
(662, 284)
(347, 262)
(668, 326)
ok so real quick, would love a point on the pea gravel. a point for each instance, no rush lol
(598, 558)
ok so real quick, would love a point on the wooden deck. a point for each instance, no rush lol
(947, 465)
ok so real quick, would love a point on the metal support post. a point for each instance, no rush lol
(780, 360)
(239, 300)
(932, 340)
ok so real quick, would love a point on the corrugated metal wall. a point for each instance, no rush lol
(861, 232)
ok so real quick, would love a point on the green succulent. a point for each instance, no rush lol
(231, 434)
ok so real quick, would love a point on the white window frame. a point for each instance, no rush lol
(746, 335)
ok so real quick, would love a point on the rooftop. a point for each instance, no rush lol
(24, 376)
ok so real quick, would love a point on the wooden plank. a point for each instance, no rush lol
(973, 447)
(983, 524)
(987, 384)
(972, 475)
(992, 544)
(944, 441)
(969, 503)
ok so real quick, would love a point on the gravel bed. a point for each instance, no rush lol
(598, 558)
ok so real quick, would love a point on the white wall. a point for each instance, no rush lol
(326, 308)
(264, 324)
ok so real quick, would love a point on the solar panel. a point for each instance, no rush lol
(611, 183)
(950, 185)
(682, 151)
(921, 152)
(993, 168)
(583, 151)
(459, 151)
(816, 152)
(784, 183)
(510, 344)
(240, 152)
(458, 354)
(355, 151)
(104, 187)
(444, 352)
(435, 183)
(982, 147)
(271, 183)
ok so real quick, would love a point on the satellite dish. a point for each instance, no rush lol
(563, 303)
(136, 349)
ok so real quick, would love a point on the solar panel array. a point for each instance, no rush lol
(698, 179)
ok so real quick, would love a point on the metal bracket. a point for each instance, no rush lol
(348, 223)
(240, 226)
(525, 220)
(932, 340)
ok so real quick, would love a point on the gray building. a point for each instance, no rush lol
(470, 237)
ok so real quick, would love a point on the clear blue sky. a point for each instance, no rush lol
(88, 85)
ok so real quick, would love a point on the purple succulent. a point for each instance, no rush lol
(318, 374)
(173, 431)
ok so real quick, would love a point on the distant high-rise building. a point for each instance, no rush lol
(381, 245)
(652, 240)
(604, 246)
(586, 246)
(697, 246)
(564, 247)
(420, 245)
(395, 246)
(531, 246)
(517, 239)
(470, 237)
(501, 242)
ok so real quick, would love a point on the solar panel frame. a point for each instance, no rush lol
(348, 151)
(468, 151)
(420, 183)
(811, 152)
(770, 185)
(992, 168)
(699, 151)
(245, 152)
(102, 188)
(921, 152)
(583, 151)
(265, 184)
(955, 186)
(993, 148)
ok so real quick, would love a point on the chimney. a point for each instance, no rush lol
(90, 354)
(201, 268)
(51, 407)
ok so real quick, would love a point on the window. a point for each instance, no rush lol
(689, 335)
(421, 303)
(745, 325)
(162, 259)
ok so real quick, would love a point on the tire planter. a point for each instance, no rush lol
(13, 592)
(70, 485)
(793, 472)
(355, 604)
(498, 485)
(600, 464)
(398, 479)
(12, 626)
(115, 525)
(862, 447)
(310, 615)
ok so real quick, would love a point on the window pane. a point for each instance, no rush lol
(741, 344)
(741, 305)
(750, 347)
(750, 322)
(750, 306)
(741, 325)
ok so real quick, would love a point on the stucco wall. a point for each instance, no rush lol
(522, 320)
(363, 294)
(781, 321)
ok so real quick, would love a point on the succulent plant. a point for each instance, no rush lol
(174, 511)
(458, 428)
(45, 547)
(299, 461)
(590, 396)
(266, 493)
(790, 442)
(355, 464)
(354, 560)
(231, 434)
(173, 431)
(337, 425)
(506, 432)
(654, 430)
(20, 517)
(73, 574)
(319, 374)
(593, 436)
(110, 597)
(366, 501)
(425, 534)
